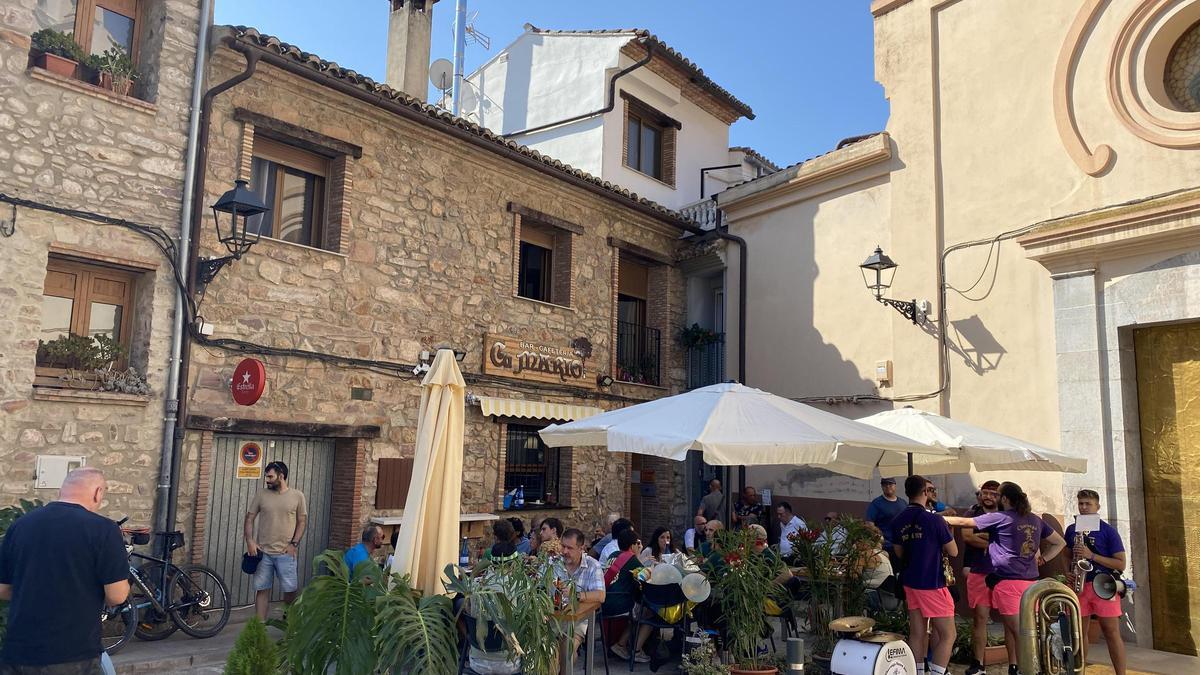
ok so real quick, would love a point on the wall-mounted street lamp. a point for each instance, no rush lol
(232, 214)
(878, 271)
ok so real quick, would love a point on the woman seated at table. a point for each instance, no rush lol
(877, 566)
(622, 590)
(660, 545)
(761, 547)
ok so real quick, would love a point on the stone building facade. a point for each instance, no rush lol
(426, 224)
(68, 144)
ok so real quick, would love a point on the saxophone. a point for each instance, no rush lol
(1080, 566)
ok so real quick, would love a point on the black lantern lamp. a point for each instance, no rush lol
(232, 214)
(878, 270)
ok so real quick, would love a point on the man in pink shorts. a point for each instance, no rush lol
(1106, 551)
(978, 566)
(920, 539)
(1015, 537)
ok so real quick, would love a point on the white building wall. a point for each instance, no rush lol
(541, 78)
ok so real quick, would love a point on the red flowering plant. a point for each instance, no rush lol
(833, 557)
(742, 580)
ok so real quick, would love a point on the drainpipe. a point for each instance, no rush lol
(166, 472)
(192, 251)
(612, 97)
(742, 267)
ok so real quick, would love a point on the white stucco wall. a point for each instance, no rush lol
(543, 78)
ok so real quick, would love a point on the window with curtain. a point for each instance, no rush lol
(531, 465)
(291, 182)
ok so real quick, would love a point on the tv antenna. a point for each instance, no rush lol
(473, 35)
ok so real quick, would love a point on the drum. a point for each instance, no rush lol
(856, 657)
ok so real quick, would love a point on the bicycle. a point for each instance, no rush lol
(165, 597)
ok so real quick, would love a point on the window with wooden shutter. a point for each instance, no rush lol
(395, 475)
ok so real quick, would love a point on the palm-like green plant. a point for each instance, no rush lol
(361, 621)
(520, 597)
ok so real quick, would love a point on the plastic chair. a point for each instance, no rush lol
(654, 598)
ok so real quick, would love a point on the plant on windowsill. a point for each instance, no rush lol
(56, 52)
(115, 69)
(90, 364)
(694, 336)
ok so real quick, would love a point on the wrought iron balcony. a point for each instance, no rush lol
(638, 352)
(706, 363)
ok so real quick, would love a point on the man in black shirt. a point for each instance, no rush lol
(59, 566)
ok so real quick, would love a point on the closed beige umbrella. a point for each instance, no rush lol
(429, 534)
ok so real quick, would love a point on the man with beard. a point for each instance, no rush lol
(281, 514)
(977, 565)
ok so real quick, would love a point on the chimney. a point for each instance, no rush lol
(409, 29)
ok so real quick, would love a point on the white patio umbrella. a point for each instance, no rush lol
(735, 425)
(429, 536)
(971, 447)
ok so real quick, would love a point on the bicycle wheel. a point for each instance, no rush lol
(116, 626)
(152, 624)
(199, 601)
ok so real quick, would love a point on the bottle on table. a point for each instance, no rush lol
(464, 553)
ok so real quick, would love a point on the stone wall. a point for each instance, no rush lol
(68, 144)
(425, 259)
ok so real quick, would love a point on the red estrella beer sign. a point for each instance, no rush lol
(249, 381)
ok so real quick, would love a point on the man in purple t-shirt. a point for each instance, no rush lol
(1015, 537)
(920, 538)
(1105, 550)
(978, 566)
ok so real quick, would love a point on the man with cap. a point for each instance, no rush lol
(884, 509)
(977, 566)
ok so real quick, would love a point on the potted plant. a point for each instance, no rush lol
(834, 556)
(994, 652)
(694, 336)
(115, 68)
(702, 660)
(743, 581)
(365, 622)
(521, 598)
(56, 52)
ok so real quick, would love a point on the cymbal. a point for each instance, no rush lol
(881, 636)
(852, 624)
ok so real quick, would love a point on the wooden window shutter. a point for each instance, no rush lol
(394, 478)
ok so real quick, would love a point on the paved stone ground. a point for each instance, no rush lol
(182, 654)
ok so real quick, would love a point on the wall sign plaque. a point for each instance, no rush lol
(565, 363)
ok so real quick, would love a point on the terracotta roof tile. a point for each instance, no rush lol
(755, 154)
(435, 115)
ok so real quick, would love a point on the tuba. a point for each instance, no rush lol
(1079, 566)
(1050, 638)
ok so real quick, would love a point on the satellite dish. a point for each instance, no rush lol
(441, 74)
(469, 100)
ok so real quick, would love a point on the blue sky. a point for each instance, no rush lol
(806, 67)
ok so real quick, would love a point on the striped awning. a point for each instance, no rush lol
(544, 410)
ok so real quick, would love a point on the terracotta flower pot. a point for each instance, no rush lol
(56, 64)
(994, 655)
(119, 87)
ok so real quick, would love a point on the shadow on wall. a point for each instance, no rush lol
(972, 341)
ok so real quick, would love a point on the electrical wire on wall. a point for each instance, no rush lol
(166, 245)
(943, 339)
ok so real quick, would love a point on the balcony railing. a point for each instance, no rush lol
(706, 363)
(703, 213)
(638, 349)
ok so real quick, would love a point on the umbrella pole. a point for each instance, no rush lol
(910, 464)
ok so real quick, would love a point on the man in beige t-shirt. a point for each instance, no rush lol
(281, 513)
